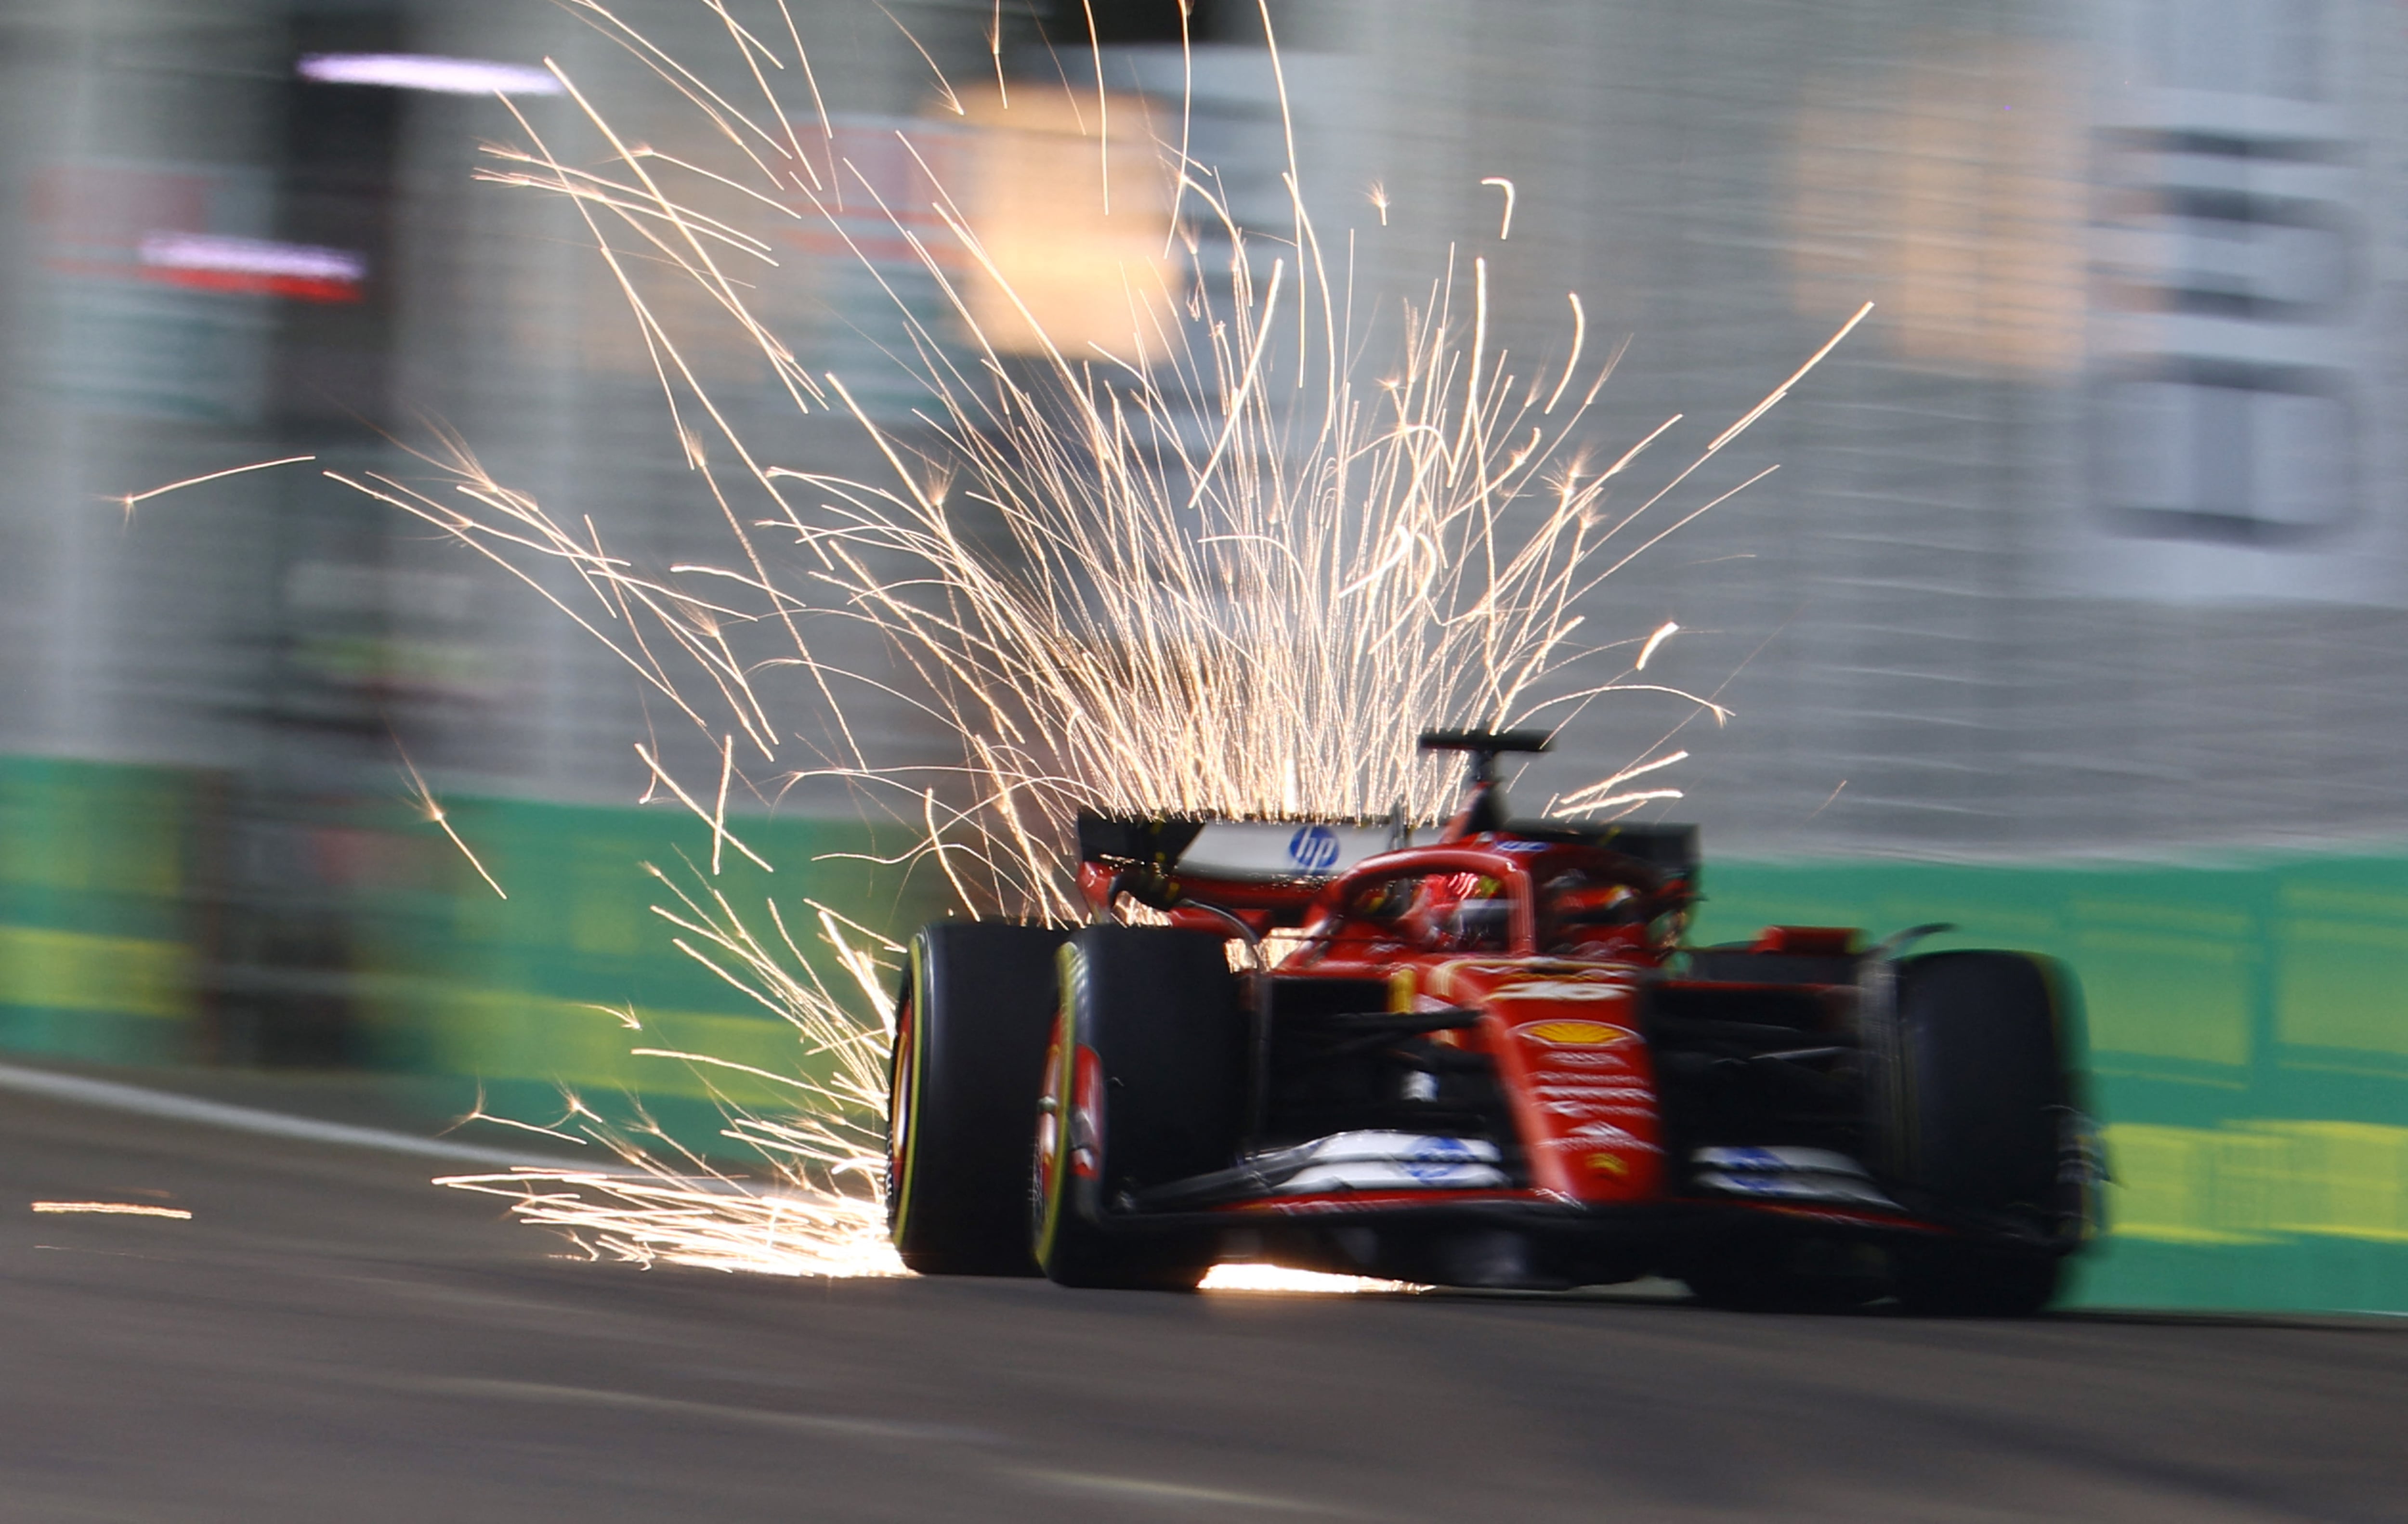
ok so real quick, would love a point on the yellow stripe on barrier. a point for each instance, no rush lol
(500, 1034)
(79, 971)
(2258, 1182)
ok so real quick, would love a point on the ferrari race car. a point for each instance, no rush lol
(1485, 1061)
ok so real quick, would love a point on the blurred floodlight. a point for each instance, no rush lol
(1955, 192)
(252, 256)
(253, 267)
(1072, 237)
(423, 71)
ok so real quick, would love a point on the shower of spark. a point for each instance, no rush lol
(112, 1209)
(1245, 555)
(422, 799)
(707, 1220)
(131, 500)
(821, 1212)
(1250, 1276)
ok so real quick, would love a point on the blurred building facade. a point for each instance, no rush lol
(2089, 540)
(2085, 541)
(2086, 544)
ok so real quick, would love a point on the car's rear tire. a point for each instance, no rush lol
(1145, 1079)
(969, 1053)
(1982, 1100)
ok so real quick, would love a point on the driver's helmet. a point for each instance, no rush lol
(1576, 911)
(1472, 913)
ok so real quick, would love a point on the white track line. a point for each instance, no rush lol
(186, 1108)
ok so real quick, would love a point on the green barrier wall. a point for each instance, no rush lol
(2248, 1024)
(554, 989)
(94, 930)
(2248, 1033)
(111, 911)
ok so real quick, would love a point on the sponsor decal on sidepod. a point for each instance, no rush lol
(1562, 989)
(1437, 1159)
(1567, 1032)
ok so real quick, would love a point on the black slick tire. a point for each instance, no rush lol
(1982, 1046)
(969, 1051)
(1144, 1086)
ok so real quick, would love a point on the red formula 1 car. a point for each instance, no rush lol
(1487, 1061)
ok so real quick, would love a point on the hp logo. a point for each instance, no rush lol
(1314, 849)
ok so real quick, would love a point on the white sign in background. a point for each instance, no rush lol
(2239, 436)
(123, 342)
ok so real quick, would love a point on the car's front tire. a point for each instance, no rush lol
(970, 1048)
(1144, 1080)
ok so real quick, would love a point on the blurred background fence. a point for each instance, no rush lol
(2076, 614)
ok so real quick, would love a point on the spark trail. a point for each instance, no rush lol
(1235, 561)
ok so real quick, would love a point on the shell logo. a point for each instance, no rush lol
(1571, 1033)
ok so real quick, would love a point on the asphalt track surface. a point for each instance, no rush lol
(329, 1339)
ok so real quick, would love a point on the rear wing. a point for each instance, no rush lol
(1271, 851)
(1294, 851)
